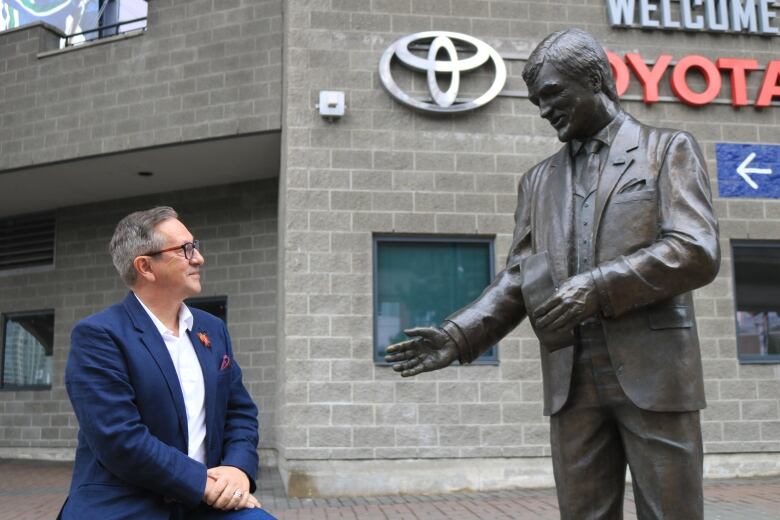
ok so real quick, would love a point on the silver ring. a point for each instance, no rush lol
(237, 493)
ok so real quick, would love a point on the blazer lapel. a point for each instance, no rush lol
(555, 214)
(151, 339)
(619, 161)
(209, 369)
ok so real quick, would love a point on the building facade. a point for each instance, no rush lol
(319, 232)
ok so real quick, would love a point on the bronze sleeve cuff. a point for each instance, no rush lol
(456, 335)
(603, 293)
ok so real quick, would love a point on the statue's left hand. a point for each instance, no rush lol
(575, 300)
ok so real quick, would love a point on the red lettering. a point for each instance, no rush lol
(711, 75)
(770, 88)
(619, 72)
(649, 78)
(739, 68)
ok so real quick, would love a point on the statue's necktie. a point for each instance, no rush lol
(588, 167)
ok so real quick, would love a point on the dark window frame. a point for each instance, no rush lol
(195, 301)
(4, 323)
(487, 358)
(749, 359)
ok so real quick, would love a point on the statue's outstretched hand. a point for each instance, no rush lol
(429, 349)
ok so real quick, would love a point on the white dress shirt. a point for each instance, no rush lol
(187, 366)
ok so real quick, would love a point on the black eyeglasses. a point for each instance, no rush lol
(188, 248)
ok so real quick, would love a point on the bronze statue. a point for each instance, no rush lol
(612, 234)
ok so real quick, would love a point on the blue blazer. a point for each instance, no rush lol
(131, 460)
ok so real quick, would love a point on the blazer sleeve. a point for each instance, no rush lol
(500, 308)
(686, 254)
(239, 446)
(103, 398)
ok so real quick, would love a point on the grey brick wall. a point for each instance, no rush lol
(203, 68)
(238, 227)
(387, 169)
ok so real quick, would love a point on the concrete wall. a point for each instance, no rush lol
(203, 68)
(387, 169)
(237, 226)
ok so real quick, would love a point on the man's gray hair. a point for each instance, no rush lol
(135, 236)
(576, 54)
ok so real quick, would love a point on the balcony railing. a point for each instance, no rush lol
(103, 31)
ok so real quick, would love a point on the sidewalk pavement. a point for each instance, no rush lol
(33, 490)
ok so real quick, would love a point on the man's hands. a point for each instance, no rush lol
(575, 300)
(221, 486)
(431, 349)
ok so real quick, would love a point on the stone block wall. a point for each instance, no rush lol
(202, 69)
(384, 168)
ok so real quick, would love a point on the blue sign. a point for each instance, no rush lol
(748, 170)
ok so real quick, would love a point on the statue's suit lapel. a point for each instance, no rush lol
(555, 213)
(619, 160)
(553, 227)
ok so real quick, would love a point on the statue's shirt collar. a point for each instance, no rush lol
(606, 135)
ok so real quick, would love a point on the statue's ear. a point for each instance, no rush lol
(596, 81)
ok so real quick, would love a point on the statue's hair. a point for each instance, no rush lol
(576, 54)
(135, 236)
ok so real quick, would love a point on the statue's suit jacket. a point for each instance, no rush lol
(131, 460)
(656, 239)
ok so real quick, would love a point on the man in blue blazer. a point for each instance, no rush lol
(167, 429)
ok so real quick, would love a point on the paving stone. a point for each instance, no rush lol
(38, 489)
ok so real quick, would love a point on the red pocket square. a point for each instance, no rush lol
(225, 362)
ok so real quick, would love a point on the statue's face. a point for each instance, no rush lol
(571, 106)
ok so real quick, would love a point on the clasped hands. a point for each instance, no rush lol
(227, 488)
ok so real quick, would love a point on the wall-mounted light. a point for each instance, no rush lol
(331, 105)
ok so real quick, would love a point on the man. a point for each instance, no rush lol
(167, 429)
(623, 214)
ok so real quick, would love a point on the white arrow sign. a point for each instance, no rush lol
(743, 170)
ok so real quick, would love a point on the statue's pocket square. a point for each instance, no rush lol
(636, 185)
(226, 362)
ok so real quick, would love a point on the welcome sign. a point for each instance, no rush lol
(757, 17)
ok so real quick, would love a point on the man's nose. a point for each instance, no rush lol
(197, 258)
(544, 110)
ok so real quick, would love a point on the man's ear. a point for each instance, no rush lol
(143, 266)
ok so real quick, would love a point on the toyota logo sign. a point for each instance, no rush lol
(442, 41)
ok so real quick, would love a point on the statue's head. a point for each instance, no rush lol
(570, 80)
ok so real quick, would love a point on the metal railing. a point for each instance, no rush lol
(103, 32)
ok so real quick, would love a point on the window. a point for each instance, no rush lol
(28, 344)
(421, 281)
(216, 305)
(757, 295)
